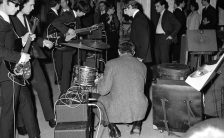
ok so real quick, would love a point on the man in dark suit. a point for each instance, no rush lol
(38, 81)
(65, 59)
(167, 28)
(180, 16)
(53, 11)
(209, 16)
(10, 91)
(141, 37)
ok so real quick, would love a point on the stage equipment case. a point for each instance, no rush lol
(176, 105)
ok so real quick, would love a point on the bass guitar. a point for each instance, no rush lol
(23, 70)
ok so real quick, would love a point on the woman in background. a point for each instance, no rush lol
(194, 18)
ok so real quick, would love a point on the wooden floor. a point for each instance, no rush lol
(47, 132)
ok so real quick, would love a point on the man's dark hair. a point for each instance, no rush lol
(126, 47)
(16, 1)
(162, 2)
(195, 5)
(82, 6)
(178, 2)
(207, 1)
(133, 3)
(53, 3)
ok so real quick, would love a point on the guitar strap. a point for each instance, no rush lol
(27, 24)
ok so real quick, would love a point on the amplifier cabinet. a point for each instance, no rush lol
(176, 105)
(72, 112)
(72, 130)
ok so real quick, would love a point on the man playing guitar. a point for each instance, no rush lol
(63, 60)
(38, 80)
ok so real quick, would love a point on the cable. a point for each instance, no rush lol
(55, 71)
(12, 78)
(13, 107)
(91, 104)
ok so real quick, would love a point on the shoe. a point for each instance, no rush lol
(22, 130)
(52, 123)
(114, 131)
(136, 128)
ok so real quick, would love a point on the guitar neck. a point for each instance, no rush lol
(29, 40)
(83, 30)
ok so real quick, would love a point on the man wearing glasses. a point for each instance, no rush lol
(9, 89)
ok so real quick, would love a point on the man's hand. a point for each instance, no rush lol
(48, 43)
(24, 57)
(26, 36)
(70, 34)
(205, 21)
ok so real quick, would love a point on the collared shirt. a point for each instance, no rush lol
(179, 8)
(159, 29)
(4, 16)
(135, 13)
(55, 11)
(64, 10)
(74, 13)
(102, 12)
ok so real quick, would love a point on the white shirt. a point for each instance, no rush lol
(74, 13)
(55, 11)
(159, 29)
(4, 16)
(135, 13)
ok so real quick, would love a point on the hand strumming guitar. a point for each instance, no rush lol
(70, 34)
(24, 57)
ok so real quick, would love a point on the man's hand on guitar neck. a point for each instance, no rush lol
(26, 36)
(24, 57)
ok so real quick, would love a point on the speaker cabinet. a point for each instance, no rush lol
(79, 129)
(72, 112)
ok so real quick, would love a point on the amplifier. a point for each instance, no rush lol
(72, 112)
(72, 130)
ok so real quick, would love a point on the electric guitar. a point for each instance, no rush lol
(23, 70)
(56, 37)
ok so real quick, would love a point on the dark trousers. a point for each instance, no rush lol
(40, 84)
(162, 49)
(63, 65)
(10, 98)
(29, 121)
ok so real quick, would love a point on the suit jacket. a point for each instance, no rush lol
(140, 36)
(51, 15)
(65, 18)
(122, 89)
(7, 45)
(170, 24)
(180, 16)
(212, 16)
(21, 30)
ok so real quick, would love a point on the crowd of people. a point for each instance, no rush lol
(124, 88)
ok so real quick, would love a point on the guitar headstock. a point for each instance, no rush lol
(97, 26)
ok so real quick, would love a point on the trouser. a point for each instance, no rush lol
(63, 65)
(29, 121)
(162, 49)
(40, 84)
(10, 98)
